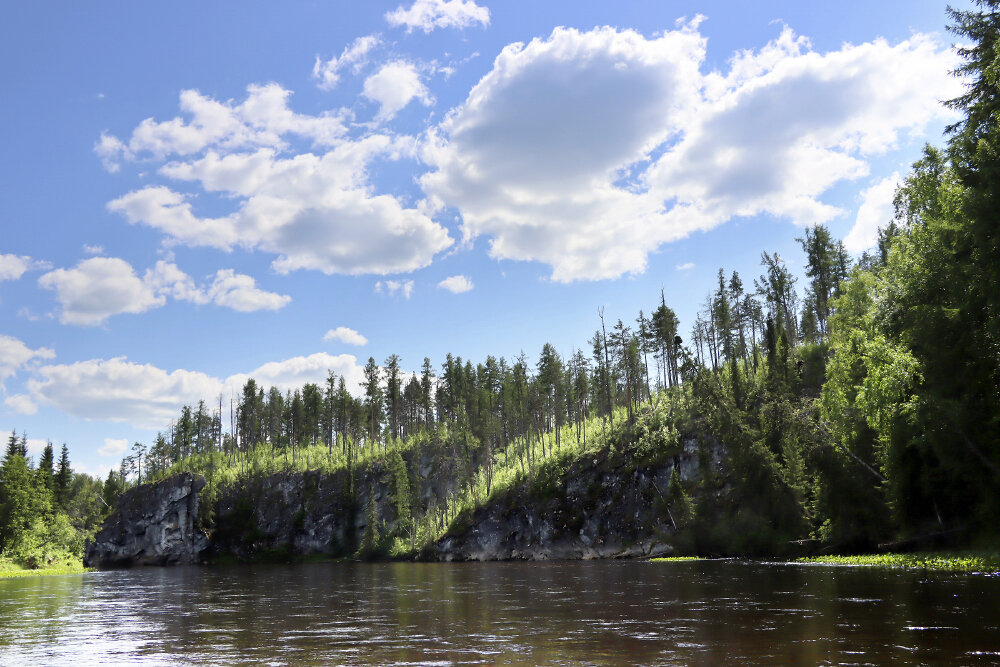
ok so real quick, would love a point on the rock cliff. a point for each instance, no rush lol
(152, 524)
(614, 503)
(596, 508)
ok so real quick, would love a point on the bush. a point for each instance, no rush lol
(45, 542)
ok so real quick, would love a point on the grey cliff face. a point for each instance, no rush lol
(152, 525)
(596, 510)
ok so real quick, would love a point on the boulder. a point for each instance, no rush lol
(152, 524)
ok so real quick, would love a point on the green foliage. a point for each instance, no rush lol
(680, 503)
(656, 436)
(400, 488)
(36, 531)
(373, 542)
(44, 541)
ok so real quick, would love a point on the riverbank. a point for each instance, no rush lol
(946, 561)
(987, 562)
(10, 570)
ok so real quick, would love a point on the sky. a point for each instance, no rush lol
(197, 193)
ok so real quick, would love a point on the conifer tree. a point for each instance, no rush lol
(63, 478)
(45, 472)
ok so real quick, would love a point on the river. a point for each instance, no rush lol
(559, 613)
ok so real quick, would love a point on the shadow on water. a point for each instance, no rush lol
(597, 613)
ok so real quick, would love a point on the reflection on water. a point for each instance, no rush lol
(581, 613)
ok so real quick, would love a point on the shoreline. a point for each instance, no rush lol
(970, 562)
(9, 570)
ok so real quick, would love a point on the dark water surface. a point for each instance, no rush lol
(580, 613)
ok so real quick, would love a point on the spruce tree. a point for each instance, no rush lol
(46, 468)
(63, 478)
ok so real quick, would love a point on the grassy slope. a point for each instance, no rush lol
(539, 459)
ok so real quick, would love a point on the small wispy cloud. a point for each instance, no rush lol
(21, 404)
(456, 284)
(428, 15)
(392, 287)
(113, 447)
(345, 335)
(355, 56)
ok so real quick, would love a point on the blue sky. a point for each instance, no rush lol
(195, 192)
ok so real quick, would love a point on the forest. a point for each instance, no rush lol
(858, 408)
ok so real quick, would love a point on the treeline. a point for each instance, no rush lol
(497, 402)
(47, 511)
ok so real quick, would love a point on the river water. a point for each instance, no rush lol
(559, 613)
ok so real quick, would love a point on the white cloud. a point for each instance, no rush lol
(100, 287)
(15, 355)
(147, 397)
(239, 292)
(876, 211)
(393, 87)
(111, 150)
(13, 267)
(113, 447)
(430, 14)
(262, 120)
(120, 391)
(391, 287)
(345, 335)
(21, 404)
(93, 249)
(456, 284)
(170, 212)
(685, 266)
(786, 124)
(292, 373)
(99, 470)
(532, 156)
(314, 211)
(354, 55)
(589, 150)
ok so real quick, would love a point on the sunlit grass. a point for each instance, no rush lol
(943, 561)
(11, 570)
(674, 559)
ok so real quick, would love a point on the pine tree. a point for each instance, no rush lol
(373, 400)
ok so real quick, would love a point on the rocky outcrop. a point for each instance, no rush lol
(289, 513)
(152, 524)
(321, 513)
(614, 503)
(597, 508)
